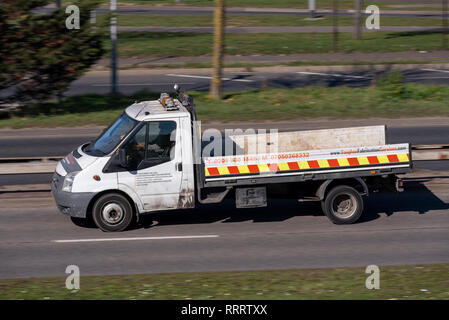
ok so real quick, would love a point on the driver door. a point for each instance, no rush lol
(154, 155)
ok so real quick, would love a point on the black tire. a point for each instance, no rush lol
(343, 205)
(112, 212)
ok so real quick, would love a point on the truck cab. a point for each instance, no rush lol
(141, 163)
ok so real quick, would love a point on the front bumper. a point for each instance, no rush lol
(73, 204)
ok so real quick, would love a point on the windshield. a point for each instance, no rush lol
(112, 136)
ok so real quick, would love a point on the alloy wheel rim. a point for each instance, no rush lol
(112, 213)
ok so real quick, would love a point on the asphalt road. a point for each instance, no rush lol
(407, 228)
(131, 83)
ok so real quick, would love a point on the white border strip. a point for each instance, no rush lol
(134, 239)
(267, 175)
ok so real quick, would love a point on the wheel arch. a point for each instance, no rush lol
(352, 182)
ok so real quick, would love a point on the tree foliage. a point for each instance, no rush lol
(39, 56)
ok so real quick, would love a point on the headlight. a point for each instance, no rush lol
(68, 181)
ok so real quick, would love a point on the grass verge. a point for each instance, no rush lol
(396, 282)
(301, 4)
(390, 99)
(146, 44)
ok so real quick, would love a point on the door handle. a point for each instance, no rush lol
(178, 166)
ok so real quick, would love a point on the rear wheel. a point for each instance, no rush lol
(112, 212)
(343, 205)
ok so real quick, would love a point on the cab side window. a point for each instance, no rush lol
(161, 140)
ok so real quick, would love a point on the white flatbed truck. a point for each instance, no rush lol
(150, 159)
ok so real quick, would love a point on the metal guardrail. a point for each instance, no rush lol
(430, 147)
(33, 165)
(29, 159)
(430, 152)
(28, 165)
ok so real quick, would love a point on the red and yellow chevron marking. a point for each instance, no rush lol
(307, 164)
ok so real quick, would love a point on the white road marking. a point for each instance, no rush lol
(206, 77)
(138, 84)
(134, 239)
(331, 74)
(436, 70)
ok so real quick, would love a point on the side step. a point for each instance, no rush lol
(214, 197)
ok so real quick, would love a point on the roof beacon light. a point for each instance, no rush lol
(167, 102)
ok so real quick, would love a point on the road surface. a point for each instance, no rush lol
(131, 82)
(407, 228)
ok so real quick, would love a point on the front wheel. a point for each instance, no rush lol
(112, 212)
(343, 205)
